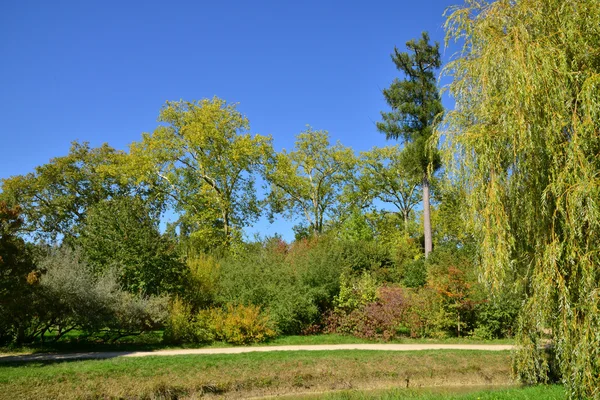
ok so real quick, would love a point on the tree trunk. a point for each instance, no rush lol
(426, 217)
(405, 215)
(226, 227)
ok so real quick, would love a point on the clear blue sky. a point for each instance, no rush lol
(99, 71)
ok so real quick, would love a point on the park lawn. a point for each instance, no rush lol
(251, 374)
(153, 341)
(545, 392)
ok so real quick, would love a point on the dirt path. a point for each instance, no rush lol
(239, 350)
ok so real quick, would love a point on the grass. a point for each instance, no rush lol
(251, 374)
(153, 341)
(550, 392)
(345, 339)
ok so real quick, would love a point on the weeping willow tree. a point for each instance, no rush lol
(524, 139)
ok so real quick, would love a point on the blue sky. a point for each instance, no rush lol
(99, 71)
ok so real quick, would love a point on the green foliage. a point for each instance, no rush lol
(17, 277)
(309, 180)
(294, 285)
(416, 104)
(448, 220)
(207, 162)
(356, 228)
(452, 275)
(524, 141)
(364, 256)
(70, 296)
(122, 232)
(202, 279)
(496, 317)
(356, 291)
(238, 324)
(56, 198)
(386, 176)
(414, 273)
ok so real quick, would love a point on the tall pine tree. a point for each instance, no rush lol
(416, 103)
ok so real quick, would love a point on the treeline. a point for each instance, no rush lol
(82, 250)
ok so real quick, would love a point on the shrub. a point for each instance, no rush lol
(185, 327)
(452, 276)
(294, 285)
(496, 318)
(381, 319)
(239, 324)
(427, 317)
(201, 280)
(415, 273)
(355, 291)
(70, 296)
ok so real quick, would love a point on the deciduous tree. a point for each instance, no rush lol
(525, 139)
(384, 176)
(16, 278)
(308, 181)
(122, 233)
(56, 197)
(208, 160)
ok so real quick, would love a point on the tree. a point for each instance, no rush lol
(121, 232)
(416, 103)
(16, 278)
(207, 162)
(309, 180)
(451, 274)
(524, 140)
(384, 176)
(55, 198)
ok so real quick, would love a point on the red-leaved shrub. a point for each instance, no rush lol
(383, 319)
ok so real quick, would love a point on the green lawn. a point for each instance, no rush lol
(252, 374)
(550, 392)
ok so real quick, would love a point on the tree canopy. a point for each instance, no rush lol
(384, 175)
(55, 198)
(208, 160)
(309, 180)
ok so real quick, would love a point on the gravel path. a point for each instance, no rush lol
(239, 350)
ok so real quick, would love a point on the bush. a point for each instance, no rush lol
(185, 327)
(294, 285)
(496, 318)
(201, 280)
(355, 291)
(70, 296)
(452, 275)
(384, 319)
(415, 273)
(239, 324)
(427, 317)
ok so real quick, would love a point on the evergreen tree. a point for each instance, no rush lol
(416, 103)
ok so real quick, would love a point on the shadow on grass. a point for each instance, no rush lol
(50, 358)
